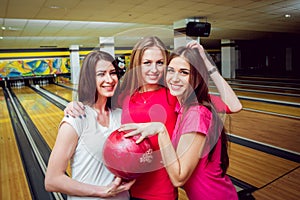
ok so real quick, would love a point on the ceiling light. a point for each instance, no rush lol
(10, 28)
(54, 7)
(287, 15)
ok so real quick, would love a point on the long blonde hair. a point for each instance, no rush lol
(132, 79)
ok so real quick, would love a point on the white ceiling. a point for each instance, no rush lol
(61, 23)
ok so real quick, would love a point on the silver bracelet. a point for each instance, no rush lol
(213, 70)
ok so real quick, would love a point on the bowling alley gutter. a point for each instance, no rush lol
(28, 139)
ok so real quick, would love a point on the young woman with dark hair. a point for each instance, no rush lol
(80, 141)
(195, 157)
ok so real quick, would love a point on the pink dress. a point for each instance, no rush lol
(153, 106)
(206, 181)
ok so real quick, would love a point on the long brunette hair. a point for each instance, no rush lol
(87, 89)
(198, 94)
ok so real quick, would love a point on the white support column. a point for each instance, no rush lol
(107, 44)
(229, 58)
(75, 63)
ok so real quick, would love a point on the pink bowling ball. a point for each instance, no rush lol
(126, 159)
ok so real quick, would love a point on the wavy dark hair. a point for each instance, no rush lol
(198, 94)
(87, 89)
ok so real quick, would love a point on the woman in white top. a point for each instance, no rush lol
(80, 141)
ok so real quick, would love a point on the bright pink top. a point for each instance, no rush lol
(219, 104)
(206, 181)
(153, 106)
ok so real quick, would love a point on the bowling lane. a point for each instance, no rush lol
(287, 187)
(272, 103)
(274, 97)
(280, 97)
(263, 88)
(12, 175)
(268, 82)
(278, 131)
(63, 92)
(257, 168)
(71, 85)
(45, 115)
(291, 111)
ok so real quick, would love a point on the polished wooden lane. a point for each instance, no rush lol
(45, 115)
(291, 111)
(274, 97)
(12, 175)
(63, 92)
(262, 82)
(280, 96)
(268, 118)
(279, 103)
(70, 85)
(278, 131)
(286, 187)
(255, 167)
(266, 89)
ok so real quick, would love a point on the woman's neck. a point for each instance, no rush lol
(179, 99)
(100, 105)
(149, 88)
(102, 112)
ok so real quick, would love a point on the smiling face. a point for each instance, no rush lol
(106, 78)
(152, 66)
(177, 78)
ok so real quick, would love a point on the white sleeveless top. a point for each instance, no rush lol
(87, 164)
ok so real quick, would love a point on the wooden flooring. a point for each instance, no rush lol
(12, 176)
(255, 167)
(266, 128)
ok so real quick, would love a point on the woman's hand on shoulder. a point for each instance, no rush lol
(75, 109)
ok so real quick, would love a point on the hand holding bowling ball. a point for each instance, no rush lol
(126, 159)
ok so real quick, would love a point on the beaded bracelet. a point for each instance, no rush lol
(213, 70)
